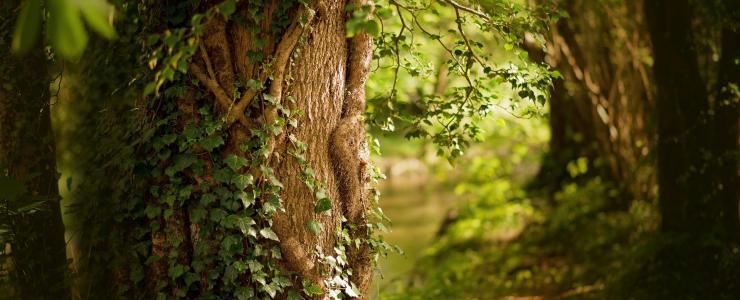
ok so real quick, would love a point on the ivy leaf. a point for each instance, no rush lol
(242, 181)
(176, 271)
(351, 292)
(245, 224)
(271, 289)
(322, 205)
(314, 227)
(217, 215)
(152, 211)
(235, 162)
(207, 199)
(254, 265)
(181, 163)
(28, 27)
(137, 274)
(211, 142)
(223, 175)
(198, 215)
(276, 253)
(227, 8)
(294, 295)
(244, 293)
(311, 289)
(247, 198)
(269, 234)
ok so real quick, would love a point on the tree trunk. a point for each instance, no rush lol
(27, 155)
(294, 162)
(689, 200)
(600, 108)
(726, 136)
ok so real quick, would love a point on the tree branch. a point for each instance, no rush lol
(222, 98)
(476, 12)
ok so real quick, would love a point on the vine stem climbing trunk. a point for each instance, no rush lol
(351, 154)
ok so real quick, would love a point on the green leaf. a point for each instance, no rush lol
(243, 181)
(218, 214)
(65, 29)
(311, 289)
(223, 175)
(197, 215)
(254, 265)
(227, 8)
(152, 211)
(96, 14)
(235, 162)
(176, 271)
(247, 198)
(352, 27)
(207, 199)
(384, 12)
(245, 224)
(269, 234)
(372, 27)
(28, 27)
(212, 142)
(244, 293)
(351, 292)
(294, 295)
(271, 289)
(314, 227)
(322, 205)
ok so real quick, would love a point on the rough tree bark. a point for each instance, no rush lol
(325, 75)
(27, 155)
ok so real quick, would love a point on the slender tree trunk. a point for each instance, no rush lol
(27, 155)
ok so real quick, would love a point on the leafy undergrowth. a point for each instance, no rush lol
(502, 245)
(505, 245)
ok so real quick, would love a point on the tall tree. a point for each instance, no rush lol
(601, 108)
(697, 135)
(27, 156)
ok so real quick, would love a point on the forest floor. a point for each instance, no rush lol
(502, 244)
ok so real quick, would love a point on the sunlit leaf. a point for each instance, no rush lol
(314, 227)
(65, 29)
(269, 234)
(96, 14)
